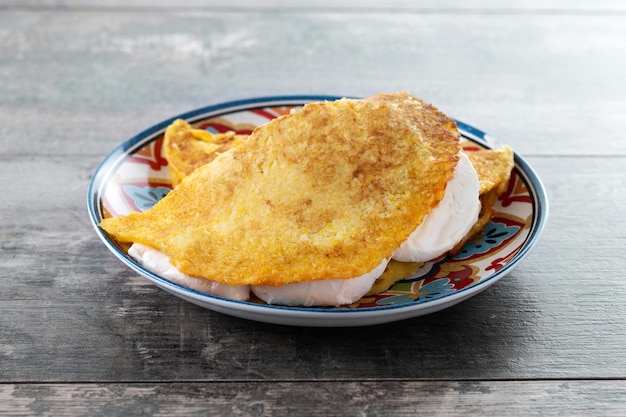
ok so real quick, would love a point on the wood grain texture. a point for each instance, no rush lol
(80, 334)
(400, 398)
(71, 311)
(484, 6)
(81, 84)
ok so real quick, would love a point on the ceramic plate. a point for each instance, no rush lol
(135, 176)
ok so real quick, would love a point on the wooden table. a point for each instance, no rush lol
(81, 334)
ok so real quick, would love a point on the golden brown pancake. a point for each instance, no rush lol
(326, 192)
(186, 148)
(493, 167)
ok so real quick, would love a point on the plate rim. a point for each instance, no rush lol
(307, 316)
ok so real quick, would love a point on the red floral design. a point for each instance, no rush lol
(515, 191)
(499, 263)
(462, 278)
(150, 155)
(459, 275)
(273, 112)
(470, 147)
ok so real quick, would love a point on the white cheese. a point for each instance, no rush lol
(447, 223)
(159, 263)
(330, 292)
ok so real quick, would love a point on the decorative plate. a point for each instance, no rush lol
(135, 176)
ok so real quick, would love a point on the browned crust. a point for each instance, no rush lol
(324, 193)
(186, 149)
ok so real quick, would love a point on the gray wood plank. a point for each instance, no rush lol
(554, 6)
(416, 5)
(80, 83)
(326, 398)
(82, 335)
(70, 311)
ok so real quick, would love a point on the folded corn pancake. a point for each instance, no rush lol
(187, 148)
(325, 193)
